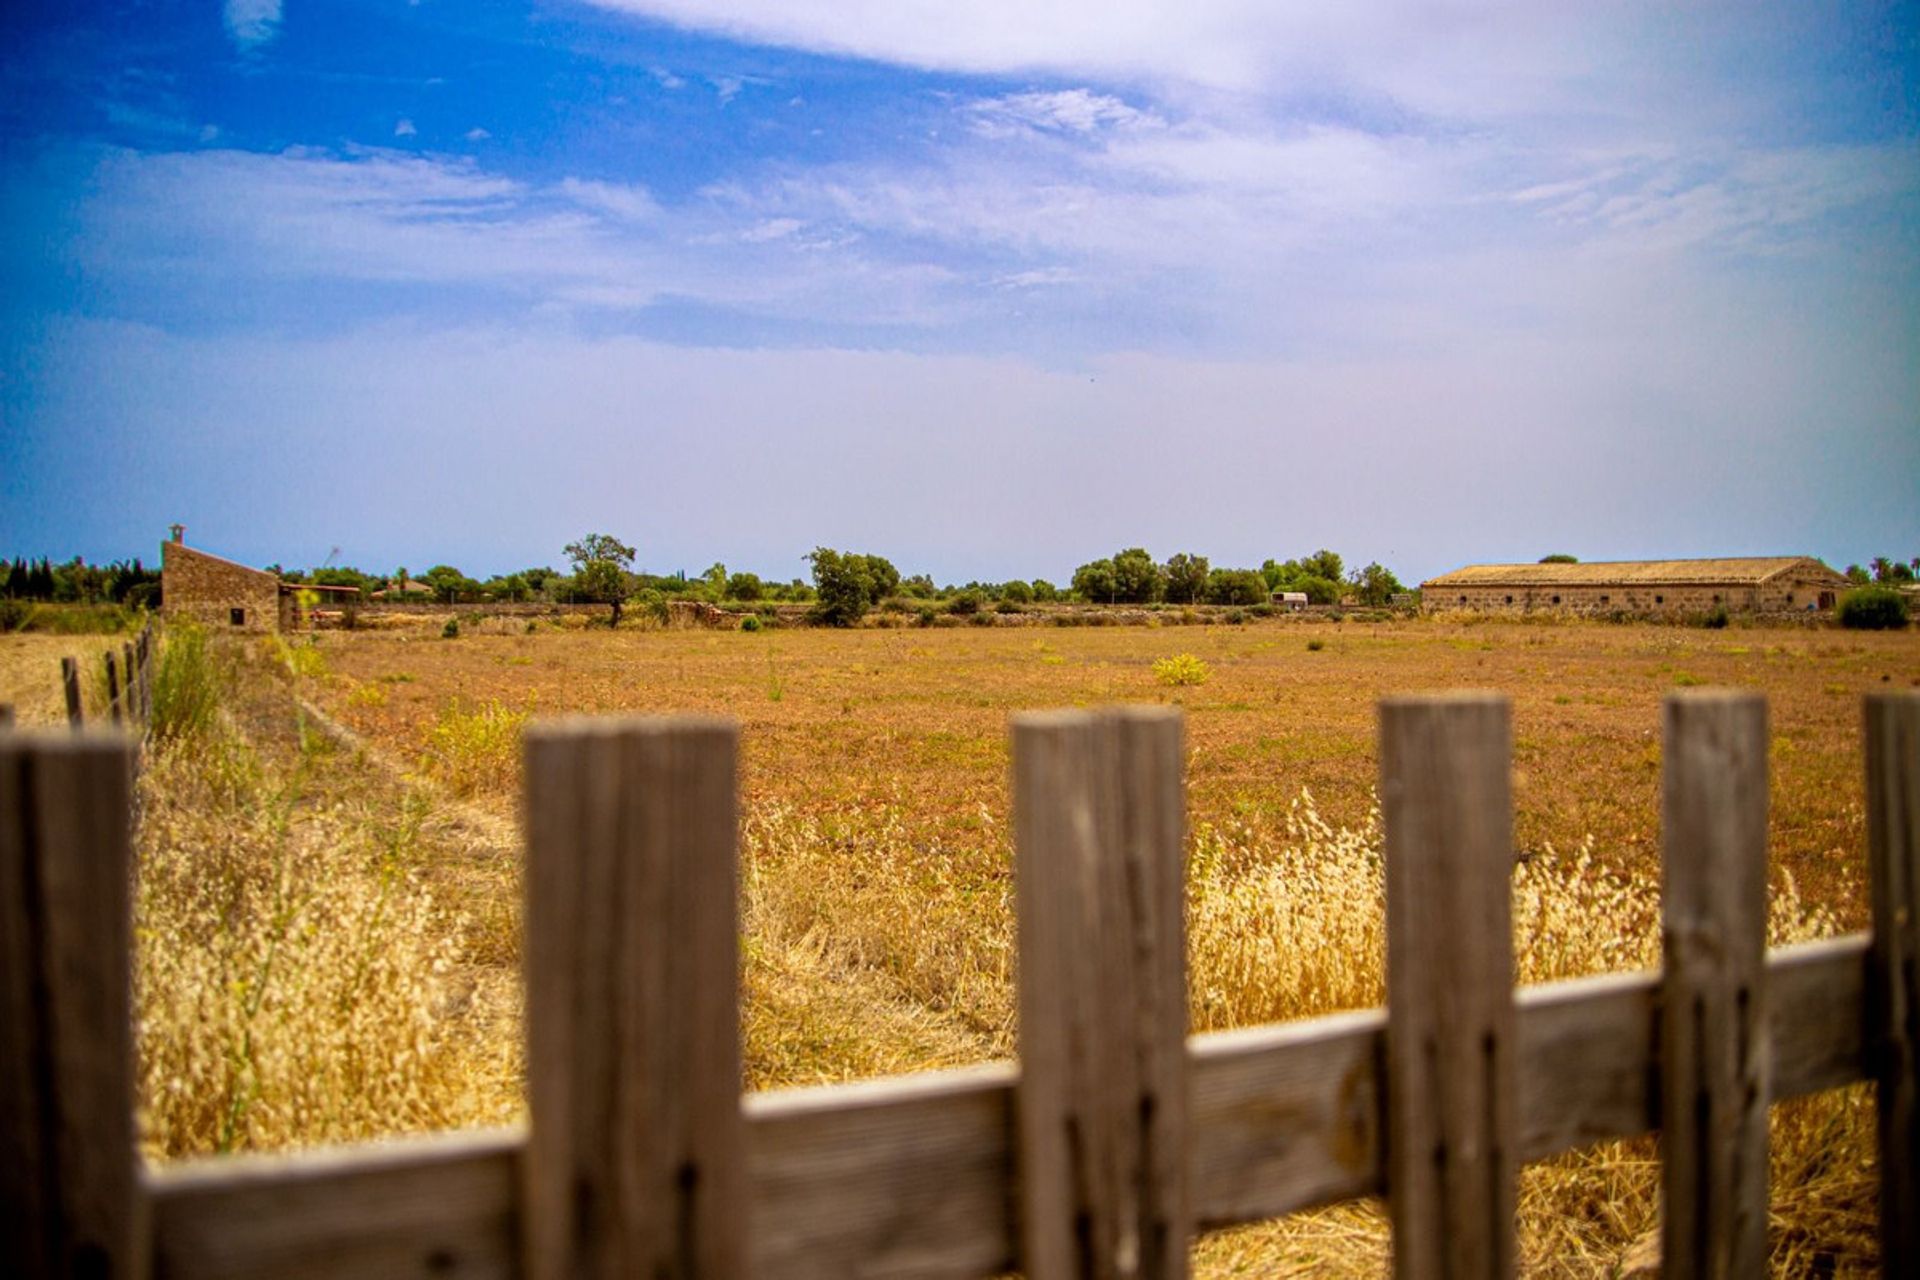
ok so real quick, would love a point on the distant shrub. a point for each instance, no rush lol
(452, 630)
(14, 614)
(1008, 606)
(1872, 609)
(966, 602)
(980, 619)
(1264, 610)
(1716, 618)
(1017, 591)
(749, 623)
(926, 615)
(1236, 616)
(1181, 669)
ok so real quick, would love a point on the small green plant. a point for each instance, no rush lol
(750, 623)
(1716, 618)
(475, 750)
(1872, 609)
(452, 630)
(1181, 669)
(1316, 644)
(186, 686)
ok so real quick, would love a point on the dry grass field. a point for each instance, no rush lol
(329, 921)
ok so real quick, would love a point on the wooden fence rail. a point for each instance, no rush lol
(129, 676)
(1115, 1137)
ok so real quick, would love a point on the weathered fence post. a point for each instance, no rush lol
(1893, 974)
(1452, 1141)
(113, 687)
(70, 683)
(70, 1201)
(636, 1157)
(6, 715)
(1099, 833)
(130, 684)
(1716, 1071)
(145, 651)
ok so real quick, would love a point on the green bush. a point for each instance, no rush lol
(1872, 609)
(14, 614)
(1181, 669)
(452, 630)
(186, 686)
(1716, 618)
(965, 603)
(749, 623)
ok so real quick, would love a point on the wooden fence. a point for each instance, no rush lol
(129, 683)
(1112, 1140)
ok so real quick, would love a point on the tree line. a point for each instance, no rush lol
(125, 582)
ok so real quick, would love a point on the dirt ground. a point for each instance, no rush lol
(836, 720)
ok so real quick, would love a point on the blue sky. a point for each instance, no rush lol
(992, 289)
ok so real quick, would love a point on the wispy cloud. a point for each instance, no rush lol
(1067, 110)
(404, 128)
(252, 23)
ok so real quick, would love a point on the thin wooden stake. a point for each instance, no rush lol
(1715, 1066)
(636, 1158)
(129, 684)
(6, 715)
(1452, 1138)
(70, 1203)
(1103, 1096)
(70, 682)
(1893, 973)
(113, 687)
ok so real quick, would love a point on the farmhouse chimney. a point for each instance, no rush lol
(179, 532)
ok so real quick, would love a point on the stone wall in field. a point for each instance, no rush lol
(216, 593)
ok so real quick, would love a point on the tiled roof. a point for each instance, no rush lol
(1739, 571)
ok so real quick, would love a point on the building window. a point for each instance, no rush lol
(1716, 597)
(1659, 599)
(1604, 597)
(238, 617)
(1463, 599)
(1509, 599)
(1789, 597)
(1556, 599)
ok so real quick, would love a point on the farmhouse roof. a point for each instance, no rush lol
(166, 547)
(1738, 570)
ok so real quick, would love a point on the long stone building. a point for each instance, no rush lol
(1754, 584)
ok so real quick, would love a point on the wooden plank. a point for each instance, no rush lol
(70, 684)
(1715, 1078)
(1103, 1094)
(69, 1197)
(636, 1159)
(911, 1176)
(905, 1177)
(1893, 856)
(113, 688)
(442, 1206)
(1452, 1134)
(146, 671)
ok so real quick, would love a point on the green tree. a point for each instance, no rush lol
(1186, 578)
(1136, 578)
(1095, 582)
(1875, 608)
(602, 570)
(1323, 564)
(745, 586)
(847, 584)
(449, 584)
(1559, 557)
(1375, 584)
(1045, 592)
(1236, 586)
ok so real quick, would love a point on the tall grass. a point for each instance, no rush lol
(186, 685)
(475, 750)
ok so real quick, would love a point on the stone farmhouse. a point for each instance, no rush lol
(219, 593)
(1655, 588)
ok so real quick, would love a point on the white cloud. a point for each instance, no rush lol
(252, 23)
(727, 87)
(404, 128)
(667, 79)
(476, 134)
(1070, 110)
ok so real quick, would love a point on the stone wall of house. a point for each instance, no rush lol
(1650, 600)
(216, 593)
